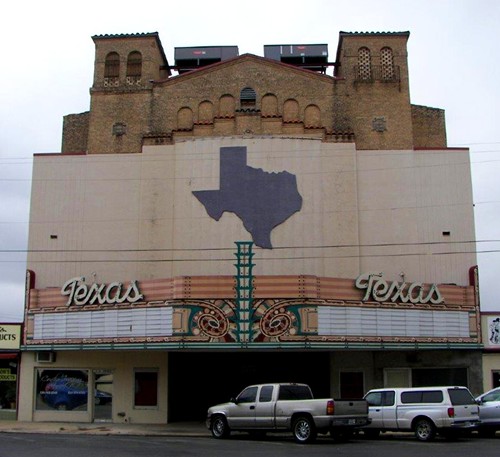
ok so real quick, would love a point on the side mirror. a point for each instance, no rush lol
(233, 400)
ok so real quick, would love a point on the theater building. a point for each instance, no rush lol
(232, 219)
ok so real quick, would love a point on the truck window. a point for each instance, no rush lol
(374, 398)
(461, 397)
(432, 396)
(388, 399)
(266, 394)
(248, 395)
(381, 398)
(295, 393)
(422, 396)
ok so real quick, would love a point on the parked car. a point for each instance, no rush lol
(489, 412)
(424, 411)
(70, 393)
(287, 407)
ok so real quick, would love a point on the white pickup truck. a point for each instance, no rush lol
(287, 407)
(424, 411)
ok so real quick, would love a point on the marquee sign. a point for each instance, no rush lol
(247, 309)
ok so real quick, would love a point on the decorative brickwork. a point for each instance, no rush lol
(75, 132)
(251, 95)
(429, 130)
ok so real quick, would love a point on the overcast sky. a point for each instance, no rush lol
(47, 70)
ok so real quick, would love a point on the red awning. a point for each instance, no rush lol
(9, 355)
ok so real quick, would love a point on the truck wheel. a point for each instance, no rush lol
(424, 430)
(304, 430)
(219, 427)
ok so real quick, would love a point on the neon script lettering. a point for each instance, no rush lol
(80, 293)
(381, 291)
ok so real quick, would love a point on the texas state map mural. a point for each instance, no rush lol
(262, 200)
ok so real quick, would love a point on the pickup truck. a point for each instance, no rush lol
(287, 407)
(424, 411)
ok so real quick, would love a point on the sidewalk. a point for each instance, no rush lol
(193, 429)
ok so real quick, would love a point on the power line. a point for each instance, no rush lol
(316, 173)
(264, 259)
(325, 246)
(322, 256)
(218, 249)
(192, 154)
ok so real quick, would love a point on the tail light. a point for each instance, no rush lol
(451, 412)
(330, 408)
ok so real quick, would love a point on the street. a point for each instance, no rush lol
(80, 445)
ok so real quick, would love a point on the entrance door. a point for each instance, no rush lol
(495, 379)
(351, 384)
(103, 395)
(223, 375)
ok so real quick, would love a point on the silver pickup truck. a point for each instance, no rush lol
(287, 407)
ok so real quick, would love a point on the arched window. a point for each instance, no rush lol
(134, 67)
(364, 64)
(185, 119)
(112, 69)
(269, 105)
(205, 112)
(312, 116)
(226, 106)
(291, 111)
(387, 64)
(248, 98)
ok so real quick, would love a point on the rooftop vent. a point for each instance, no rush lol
(311, 56)
(188, 59)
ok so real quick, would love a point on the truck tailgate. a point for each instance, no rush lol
(350, 407)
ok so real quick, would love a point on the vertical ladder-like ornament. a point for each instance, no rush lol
(244, 290)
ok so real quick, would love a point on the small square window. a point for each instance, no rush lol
(119, 129)
(379, 124)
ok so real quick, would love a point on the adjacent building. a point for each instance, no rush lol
(10, 343)
(490, 324)
(232, 219)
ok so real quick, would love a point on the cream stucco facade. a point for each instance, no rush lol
(396, 212)
(117, 365)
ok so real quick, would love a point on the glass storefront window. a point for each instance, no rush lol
(62, 390)
(8, 384)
